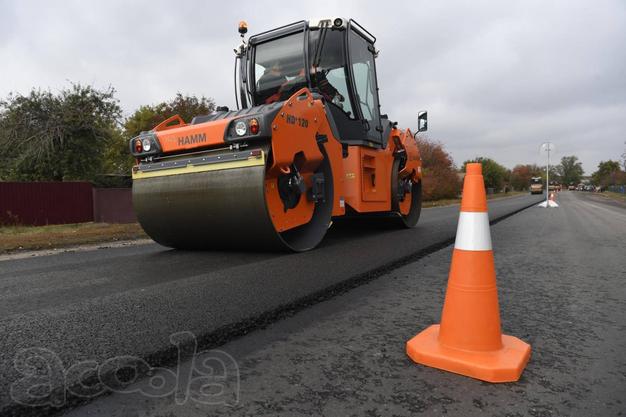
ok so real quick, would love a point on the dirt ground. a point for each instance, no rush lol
(20, 238)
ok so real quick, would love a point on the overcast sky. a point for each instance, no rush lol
(498, 78)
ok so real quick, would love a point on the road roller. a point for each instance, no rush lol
(306, 144)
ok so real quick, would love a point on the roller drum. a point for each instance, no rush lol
(206, 210)
(221, 209)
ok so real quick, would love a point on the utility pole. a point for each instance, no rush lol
(548, 147)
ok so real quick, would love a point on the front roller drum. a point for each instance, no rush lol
(223, 209)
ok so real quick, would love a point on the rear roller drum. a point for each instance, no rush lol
(406, 197)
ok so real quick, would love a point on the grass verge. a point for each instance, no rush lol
(614, 196)
(451, 201)
(18, 238)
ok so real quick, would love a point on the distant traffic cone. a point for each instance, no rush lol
(550, 202)
(469, 340)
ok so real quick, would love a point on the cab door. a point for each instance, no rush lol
(365, 88)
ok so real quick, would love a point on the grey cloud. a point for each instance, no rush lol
(498, 78)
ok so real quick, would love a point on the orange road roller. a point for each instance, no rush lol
(307, 144)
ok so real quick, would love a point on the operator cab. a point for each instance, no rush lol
(334, 58)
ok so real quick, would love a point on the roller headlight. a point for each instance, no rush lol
(241, 128)
(145, 144)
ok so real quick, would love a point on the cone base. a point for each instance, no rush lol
(503, 365)
(550, 203)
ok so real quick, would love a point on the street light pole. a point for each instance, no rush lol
(548, 177)
(547, 146)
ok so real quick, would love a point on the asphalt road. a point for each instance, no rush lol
(97, 305)
(561, 286)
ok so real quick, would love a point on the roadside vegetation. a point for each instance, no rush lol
(440, 175)
(19, 238)
(78, 133)
(615, 196)
(452, 201)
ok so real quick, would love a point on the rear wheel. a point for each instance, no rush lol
(406, 197)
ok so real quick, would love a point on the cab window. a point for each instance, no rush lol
(328, 71)
(279, 68)
(364, 78)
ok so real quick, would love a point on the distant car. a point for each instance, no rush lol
(571, 187)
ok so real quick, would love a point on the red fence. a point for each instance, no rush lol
(113, 205)
(40, 203)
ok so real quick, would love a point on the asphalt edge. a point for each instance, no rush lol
(225, 334)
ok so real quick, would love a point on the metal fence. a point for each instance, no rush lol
(113, 205)
(41, 203)
(617, 188)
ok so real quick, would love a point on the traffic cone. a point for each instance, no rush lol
(550, 203)
(469, 340)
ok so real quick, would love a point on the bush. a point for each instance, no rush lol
(46, 136)
(496, 176)
(440, 177)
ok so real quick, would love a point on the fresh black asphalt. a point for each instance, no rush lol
(95, 305)
(561, 287)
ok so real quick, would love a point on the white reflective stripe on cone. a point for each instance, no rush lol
(473, 232)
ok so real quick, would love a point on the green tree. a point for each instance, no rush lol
(570, 170)
(608, 173)
(148, 116)
(118, 159)
(555, 174)
(495, 175)
(46, 136)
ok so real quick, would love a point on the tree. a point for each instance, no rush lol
(148, 116)
(46, 136)
(118, 160)
(440, 179)
(570, 170)
(494, 174)
(608, 173)
(555, 174)
(521, 175)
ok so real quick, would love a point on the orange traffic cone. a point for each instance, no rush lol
(551, 202)
(469, 340)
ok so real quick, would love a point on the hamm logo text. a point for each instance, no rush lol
(191, 139)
